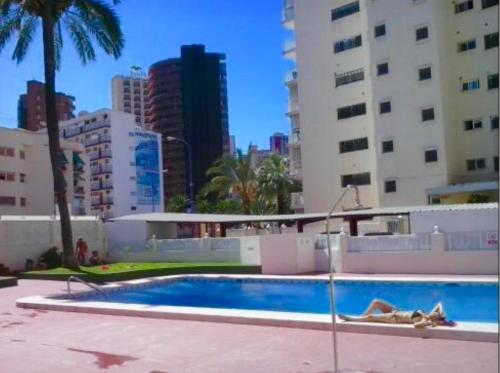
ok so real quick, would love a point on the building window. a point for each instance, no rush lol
(431, 156)
(466, 45)
(379, 30)
(23, 201)
(383, 68)
(345, 10)
(494, 122)
(349, 77)
(488, 3)
(346, 44)
(473, 124)
(424, 73)
(387, 146)
(6, 151)
(22, 154)
(7, 201)
(133, 208)
(7, 176)
(495, 163)
(492, 81)
(422, 33)
(22, 178)
(470, 85)
(351, 111)
(385, 107)
(390, 186)
(475, 164)
(427, 114)
(491, 40)
(353, 145)
(355, 179)
(464, 6)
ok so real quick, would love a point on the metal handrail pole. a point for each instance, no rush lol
(89, 284)
(331, 270)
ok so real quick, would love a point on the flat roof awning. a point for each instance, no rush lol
(483, 186)
(170, 217)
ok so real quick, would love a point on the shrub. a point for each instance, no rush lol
(51, 258)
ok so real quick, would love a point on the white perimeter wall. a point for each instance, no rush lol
(453, 221)
(20, 240)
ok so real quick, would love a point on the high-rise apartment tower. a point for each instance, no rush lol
(188, 100)
(31, 113)
(399, 97)
(130, 94)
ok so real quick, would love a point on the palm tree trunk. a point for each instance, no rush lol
(69, 259)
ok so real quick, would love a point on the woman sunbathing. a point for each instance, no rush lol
(392, 315)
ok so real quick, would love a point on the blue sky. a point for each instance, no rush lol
(249, 32)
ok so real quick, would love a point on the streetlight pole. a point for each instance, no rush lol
(190, 167)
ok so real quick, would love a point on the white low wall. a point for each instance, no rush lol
(416, 255)
(180, 250)
(23, 239)
(287, 254)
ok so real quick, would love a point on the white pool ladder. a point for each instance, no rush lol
(89, 284)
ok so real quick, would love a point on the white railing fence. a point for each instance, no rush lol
(471, 241)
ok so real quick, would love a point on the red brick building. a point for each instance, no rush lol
(31, 106)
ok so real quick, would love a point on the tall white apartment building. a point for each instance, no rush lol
(130, 94)
(26, 182)
(125, 162)
(399, 97)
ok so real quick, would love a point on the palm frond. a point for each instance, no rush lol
(80, 38)
(5, 7)
(9, 24)
(102, 23)
(26, 34)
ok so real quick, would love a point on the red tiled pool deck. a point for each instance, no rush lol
(51, 341)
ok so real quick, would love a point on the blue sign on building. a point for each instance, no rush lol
(147, 169)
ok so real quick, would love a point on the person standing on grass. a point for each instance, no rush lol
(81, 250)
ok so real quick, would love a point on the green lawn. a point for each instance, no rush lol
(128, 271)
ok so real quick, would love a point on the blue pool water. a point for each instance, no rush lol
(462, 302)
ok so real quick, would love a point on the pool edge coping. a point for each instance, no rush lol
(485, 332)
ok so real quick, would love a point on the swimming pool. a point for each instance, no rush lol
(469, 302)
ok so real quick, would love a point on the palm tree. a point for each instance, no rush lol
(177, 203)
(83, 20)
(233, 176)
(274, 181)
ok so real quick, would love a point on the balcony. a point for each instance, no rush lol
(99, 185)
(296, 169)
(94, 126)
(297, 201)
(98, 139)
(288, 15)
(294, 140)
(79, 211)
(79, 191)
(291, 78)
(293, 108)
(103, 153)
(101, 169)
(289, 50)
